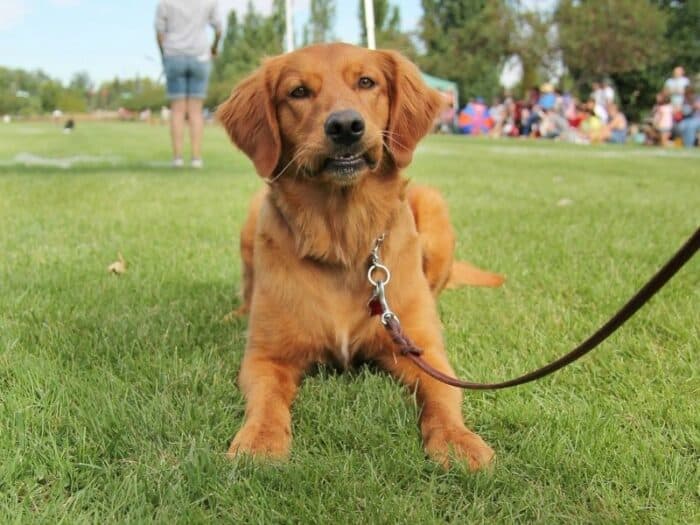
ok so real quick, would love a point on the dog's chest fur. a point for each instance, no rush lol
(324, 300)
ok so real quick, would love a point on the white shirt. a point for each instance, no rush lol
(675, 86)
(183, 24)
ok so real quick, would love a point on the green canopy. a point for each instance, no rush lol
(442, 84)
(446, 86)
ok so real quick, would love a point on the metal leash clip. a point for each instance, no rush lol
(378, 304)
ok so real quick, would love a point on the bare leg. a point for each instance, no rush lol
(269, 387)
(666, 138)
(196, 121)
(177, 126)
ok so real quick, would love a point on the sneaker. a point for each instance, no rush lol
(178, 163)
(197, 164)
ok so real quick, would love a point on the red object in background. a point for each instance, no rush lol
(576, 120)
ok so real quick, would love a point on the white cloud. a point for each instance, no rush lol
(65, 3)
(12, 12)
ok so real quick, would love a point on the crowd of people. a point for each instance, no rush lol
(548, 113)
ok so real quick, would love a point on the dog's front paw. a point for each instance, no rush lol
(457, 444)
(261, 441)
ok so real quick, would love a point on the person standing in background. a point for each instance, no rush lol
(181, 31)
(675, 86)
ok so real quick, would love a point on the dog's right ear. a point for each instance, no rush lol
(250, 119)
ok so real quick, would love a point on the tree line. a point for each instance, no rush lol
(28, 93)
(635, 43)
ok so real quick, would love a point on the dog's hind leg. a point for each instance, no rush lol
(247, 243)
(437, 239)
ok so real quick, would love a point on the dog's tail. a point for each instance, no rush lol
(465, 274)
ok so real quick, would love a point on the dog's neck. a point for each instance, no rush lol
(335, 225)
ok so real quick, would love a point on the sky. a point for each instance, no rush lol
(108, 38)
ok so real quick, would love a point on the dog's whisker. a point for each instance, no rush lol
(286, 167)
(391, 136)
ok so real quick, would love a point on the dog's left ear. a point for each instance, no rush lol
(413, 107)
(250, 119)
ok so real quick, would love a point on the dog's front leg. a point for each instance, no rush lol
(269, 386)
(441, 423)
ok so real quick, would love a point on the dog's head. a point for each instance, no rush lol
(330, 112)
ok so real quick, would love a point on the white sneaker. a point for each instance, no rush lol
(178, 162)
(197, 164)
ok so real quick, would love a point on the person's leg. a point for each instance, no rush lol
(177, 91)
(196, 122)
(665, 137)
(688, 129)
(198, 81)
(177, 127)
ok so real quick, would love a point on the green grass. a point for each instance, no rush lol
(118, 396)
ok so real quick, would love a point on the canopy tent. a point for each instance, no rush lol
(450, 91)
(444, 86)
(440, 83)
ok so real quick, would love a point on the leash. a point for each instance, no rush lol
(378, 306)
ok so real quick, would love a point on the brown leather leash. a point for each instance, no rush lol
(378, 306)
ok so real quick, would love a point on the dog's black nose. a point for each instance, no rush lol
(345, 127)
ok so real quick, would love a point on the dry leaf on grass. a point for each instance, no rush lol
(119, 266)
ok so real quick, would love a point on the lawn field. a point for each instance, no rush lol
(118, 396)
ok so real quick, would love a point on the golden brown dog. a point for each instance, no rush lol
(330, 127)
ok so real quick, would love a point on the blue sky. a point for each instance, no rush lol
(110, 38)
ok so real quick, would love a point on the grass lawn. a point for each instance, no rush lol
(118, 396)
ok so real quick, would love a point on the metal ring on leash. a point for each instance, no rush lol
(373, 268)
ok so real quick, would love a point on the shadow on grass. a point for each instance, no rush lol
(91, 326)
(136, 167)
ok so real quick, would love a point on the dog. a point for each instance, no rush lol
(331, 127)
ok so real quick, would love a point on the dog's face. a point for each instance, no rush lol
(330, 113)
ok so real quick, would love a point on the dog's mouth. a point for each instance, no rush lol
(347, 166)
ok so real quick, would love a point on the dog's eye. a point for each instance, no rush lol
(300, 92)
(365, 83)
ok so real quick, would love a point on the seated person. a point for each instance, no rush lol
(553, 125)
(615, 131)
(661, 121)
(689, 126)
(591, 125)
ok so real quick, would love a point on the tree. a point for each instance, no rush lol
(28, 92)
(533, 42)
(600, 38)
(683, 33)
(49, 92)
(638, 88)
(244, 46)
(467, 41)
(81, 82)
(387, 22)
(320, 26)
(70, 101)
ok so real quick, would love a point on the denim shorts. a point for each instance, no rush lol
(618, 136)
(187, 77)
